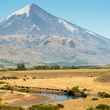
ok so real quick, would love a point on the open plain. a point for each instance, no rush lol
(93, 80)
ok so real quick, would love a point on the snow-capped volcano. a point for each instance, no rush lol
(34, 36)
(26, 10)
(33, 18)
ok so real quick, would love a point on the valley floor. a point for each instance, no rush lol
(61, 79)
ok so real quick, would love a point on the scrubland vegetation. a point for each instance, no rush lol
(22, 66)
(45, 107)
(34, 107)
(100, 107)
(75, 91)
(85, 84)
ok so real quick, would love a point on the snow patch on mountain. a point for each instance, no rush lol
(34, 26)
(68, 26)
(25, 10)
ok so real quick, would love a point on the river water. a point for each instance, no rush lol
(55, 97)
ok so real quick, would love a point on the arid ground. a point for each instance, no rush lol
(94, 80)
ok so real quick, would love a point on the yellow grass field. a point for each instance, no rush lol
(63, 79)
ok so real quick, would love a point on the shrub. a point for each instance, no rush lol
(23, 89)
(60, 105)
(2, 82)
(103, 94)
(4, 107)
(7, 87)
(103, 107)
(75, 91)
(94, 98)
(8, 77)
(44, 107)
(100, 107)
(91, 108)
(21, 66)
(71, 92)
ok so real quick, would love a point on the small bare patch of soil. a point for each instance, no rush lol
(103, 78)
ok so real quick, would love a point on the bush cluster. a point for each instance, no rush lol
(44, 107)
(4, 107)
(34, 107)
(103, 94)
(75, 91)
(100, 107)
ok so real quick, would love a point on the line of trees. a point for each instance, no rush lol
(22, 66)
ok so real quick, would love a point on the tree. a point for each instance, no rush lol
(21, 66)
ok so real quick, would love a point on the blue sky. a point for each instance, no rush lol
(91, 14)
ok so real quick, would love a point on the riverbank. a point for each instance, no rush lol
(60, 79)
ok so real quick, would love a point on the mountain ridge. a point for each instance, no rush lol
(34, 36)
